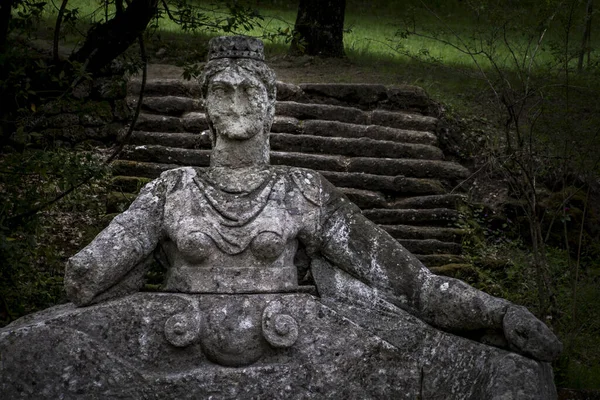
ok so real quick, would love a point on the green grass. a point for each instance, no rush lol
(371, 28)
(371, 38)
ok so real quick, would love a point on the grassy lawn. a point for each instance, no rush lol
(373, 41)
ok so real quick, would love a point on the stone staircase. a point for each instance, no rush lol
(376, 144)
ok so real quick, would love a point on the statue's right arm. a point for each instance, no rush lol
(128, 240)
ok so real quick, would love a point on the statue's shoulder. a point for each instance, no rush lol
(313, 186)
(179, 173)
(176, 178)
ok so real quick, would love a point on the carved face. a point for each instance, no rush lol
(236, 104)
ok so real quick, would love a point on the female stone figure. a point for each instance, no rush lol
(231, 232)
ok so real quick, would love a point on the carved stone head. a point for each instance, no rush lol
(238, 88)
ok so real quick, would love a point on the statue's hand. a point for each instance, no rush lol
(529, 336)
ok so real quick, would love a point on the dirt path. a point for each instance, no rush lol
(306, 70)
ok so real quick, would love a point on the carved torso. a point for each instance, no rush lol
(242, 241)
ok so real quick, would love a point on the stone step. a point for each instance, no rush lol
(436, 216)
(393, 184)
(438, 260)
(195, 122)
(362, 147)
(405, 186)
(341, 129)
(365, 198)
(140, 169)
(378, 166)
(169, 155)
(128, 184)
(457, 270)
(178, 106)
(188, 148)
(191, 122)
(159, 123)
(419, 239)
(164, 87)
(365, 96)
(443, 234)
(117, 202)
(182, 140)
(326, 112)
(167, 105)
(430, 246)
(448, 200)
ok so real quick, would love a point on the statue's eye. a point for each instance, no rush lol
(218, 91)
(251, 90)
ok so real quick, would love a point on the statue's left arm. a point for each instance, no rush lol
(353, 243)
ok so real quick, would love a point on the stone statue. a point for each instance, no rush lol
(380, 325)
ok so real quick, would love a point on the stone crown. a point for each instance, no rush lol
(235, 47)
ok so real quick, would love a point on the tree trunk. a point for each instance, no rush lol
(587, 35)
(106, 41)
(5, 15)
(319, 28)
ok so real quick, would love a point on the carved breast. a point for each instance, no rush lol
(219, 242)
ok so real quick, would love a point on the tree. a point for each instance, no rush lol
(319, 28)
(587, 35)
(105, 42)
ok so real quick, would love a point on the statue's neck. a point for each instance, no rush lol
(253, 152)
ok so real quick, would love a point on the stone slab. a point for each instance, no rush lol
(127, 349)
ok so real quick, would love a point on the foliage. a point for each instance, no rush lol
(33, 250)
(534, 149)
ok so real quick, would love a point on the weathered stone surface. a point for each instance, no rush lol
(413, 167)
(74, 133)
(117, 202)
(158, 123)
(286, 125)
(342, 129)
(110, 88)
(430, 246)
(403, 120)
(448, 200)
(290, 92)
(307, 160)
(170, 105)
(406, 97)
(455, 270)
(412, 216)
(364, 95)
(181, 140)
(140, 169)
(362, 147)
(128, 184)
(194, 122)
(322, 112)
(165, 87)
(67, 352)
(96, 114)
(437, 260)
(400, 184)
(61, 121)
(444, 234)
(365, 198)
(166, 155)
(121, 110)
